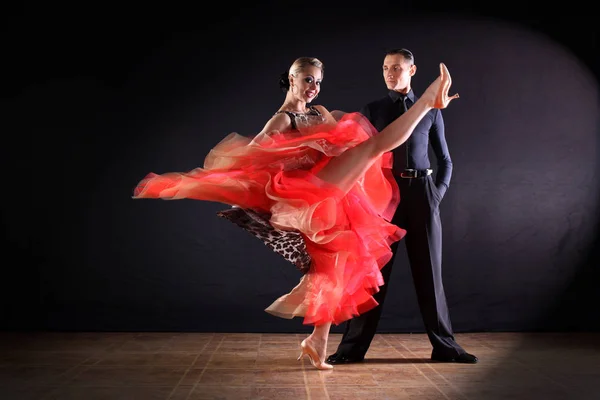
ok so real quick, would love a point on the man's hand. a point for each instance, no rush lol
(441, 188)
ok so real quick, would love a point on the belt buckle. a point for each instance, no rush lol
(409, 173)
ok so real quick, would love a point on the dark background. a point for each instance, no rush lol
(95, 98)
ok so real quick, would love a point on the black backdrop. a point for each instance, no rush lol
(96, 98)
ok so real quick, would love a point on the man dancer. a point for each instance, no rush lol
(418, 213)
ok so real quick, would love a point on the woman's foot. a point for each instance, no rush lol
(436, 94)
(316, 359)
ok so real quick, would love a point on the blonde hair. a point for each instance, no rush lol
(303, 62)
(298, 66)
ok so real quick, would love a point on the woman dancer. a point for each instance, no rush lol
(327, 181)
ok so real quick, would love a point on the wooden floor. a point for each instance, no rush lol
(178, 366)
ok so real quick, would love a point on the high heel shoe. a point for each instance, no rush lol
(440, 88)
(313, 356)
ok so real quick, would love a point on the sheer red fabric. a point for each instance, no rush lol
(347, 234)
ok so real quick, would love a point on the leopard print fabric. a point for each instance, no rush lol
(289, 244)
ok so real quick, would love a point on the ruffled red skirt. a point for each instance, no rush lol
(347, 234)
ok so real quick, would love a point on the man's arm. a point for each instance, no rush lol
(440, 148)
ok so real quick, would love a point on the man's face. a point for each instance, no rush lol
(397, 73)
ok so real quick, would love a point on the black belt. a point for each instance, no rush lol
(415, 173)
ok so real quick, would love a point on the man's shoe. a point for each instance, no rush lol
(464, 358)
(336, 358)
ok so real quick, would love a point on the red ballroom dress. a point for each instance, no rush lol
(347, 235)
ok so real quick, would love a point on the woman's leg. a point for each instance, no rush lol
(315, 346)
(345, 169)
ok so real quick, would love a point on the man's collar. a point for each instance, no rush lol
(395, 96)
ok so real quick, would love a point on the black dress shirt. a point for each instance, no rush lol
(414, 152)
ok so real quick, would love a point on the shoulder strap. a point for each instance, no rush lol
(313, 109)
(291, 115)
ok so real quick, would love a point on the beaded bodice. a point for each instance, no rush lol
(312, 117)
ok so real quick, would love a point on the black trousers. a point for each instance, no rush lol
(419, 214)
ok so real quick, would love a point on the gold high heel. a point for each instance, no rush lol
(315, 360)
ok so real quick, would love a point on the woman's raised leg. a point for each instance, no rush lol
(345, 169)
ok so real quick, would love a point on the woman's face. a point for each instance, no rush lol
(306, 85)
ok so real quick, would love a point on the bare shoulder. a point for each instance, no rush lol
(338, 114)
(321, 109)
(329, 119)
(280, 122)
